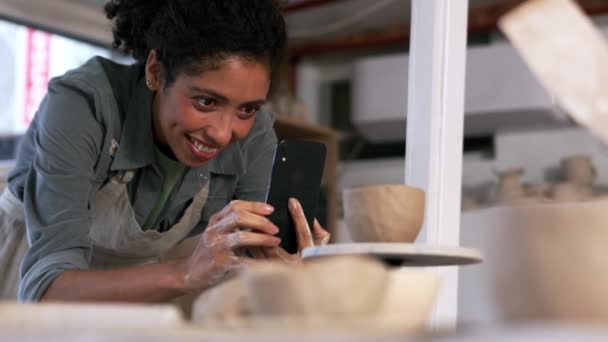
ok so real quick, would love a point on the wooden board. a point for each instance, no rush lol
(568, 55)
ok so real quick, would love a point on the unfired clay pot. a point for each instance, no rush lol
(538, 191)
(550, 261)
(350, 293)
(510, 187)
(571, 192)
(343, 286)
(578, 169)
(384, 213)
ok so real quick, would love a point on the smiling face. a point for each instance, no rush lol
(199, 115)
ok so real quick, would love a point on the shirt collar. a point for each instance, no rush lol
(136, 146)
(228, 162)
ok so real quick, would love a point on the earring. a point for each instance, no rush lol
(149, 84)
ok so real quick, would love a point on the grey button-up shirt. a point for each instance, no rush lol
(64, 159)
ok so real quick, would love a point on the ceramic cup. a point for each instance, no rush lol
(384, 213)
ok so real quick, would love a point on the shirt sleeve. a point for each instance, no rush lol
(66, 139)
(258, 156)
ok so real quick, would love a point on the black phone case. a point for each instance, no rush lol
(296, 172)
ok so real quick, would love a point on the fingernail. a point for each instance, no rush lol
(277, 240)
(268, 208)
(293, 203)
(274, 229)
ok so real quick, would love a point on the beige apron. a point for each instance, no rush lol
(13, 243)
(117, 240)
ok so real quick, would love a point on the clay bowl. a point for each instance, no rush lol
(384, 213)
(343, 293)
(338, 286)
(550, 261)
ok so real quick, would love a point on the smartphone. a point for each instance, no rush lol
(297, 171)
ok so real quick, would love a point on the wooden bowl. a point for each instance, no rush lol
(384, 213)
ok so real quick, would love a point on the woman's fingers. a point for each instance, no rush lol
(238, 219)
(301, 225)
(244, 238)
(268, 253)
(258, 208)
(284, 256)
(320, 235)
(277, 254)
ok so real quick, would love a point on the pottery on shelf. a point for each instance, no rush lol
(571, 192)
(384, 213)
(510, 188)
(578, 169)
(539, 191)
(470, 203)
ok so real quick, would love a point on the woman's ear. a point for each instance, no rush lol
(153, 71)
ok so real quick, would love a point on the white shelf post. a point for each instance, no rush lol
(435, 121)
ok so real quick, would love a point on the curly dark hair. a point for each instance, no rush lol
(193, 36)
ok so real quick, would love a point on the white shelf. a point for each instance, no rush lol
(501, 94)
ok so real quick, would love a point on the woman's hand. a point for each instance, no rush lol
(306, 237)
(215, 257)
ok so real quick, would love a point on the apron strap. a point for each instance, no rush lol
(124, 177)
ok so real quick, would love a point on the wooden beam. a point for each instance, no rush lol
(394, 36)
(485, 19)
(481, 19)
(307, 4)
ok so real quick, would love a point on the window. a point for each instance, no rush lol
(29, 59)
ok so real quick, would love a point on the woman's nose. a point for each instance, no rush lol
(220, 130)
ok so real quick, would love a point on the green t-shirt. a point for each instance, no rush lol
(172, 172)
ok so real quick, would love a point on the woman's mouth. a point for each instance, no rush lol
(201, 150)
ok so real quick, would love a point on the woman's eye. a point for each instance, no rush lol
(206, 103)
(250, 110)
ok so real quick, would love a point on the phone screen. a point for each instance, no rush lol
(297, 172)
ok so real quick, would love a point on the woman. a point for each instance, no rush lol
(123, 162)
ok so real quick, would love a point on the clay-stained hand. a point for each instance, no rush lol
(306, 237)
(216, 255)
